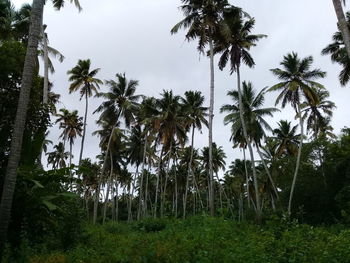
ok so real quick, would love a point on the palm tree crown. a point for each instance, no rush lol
(253, 112)
(297, 80)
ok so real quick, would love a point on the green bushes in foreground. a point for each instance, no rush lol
(203, 239)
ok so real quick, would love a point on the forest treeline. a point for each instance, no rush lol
(148, 166)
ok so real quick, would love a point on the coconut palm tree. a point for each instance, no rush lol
(338, 53)
(45, 51)
(58, 157)
(286, 138)
(234, 44)
(202, 19)
(318, 113)
(219, 157)
(193, 107)
(21, 113)
(72, 126)
(297, 83)
(120, 102)
(254, 115)
(169, 122)
(84, 81)
(342, 24)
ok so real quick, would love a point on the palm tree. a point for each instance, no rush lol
(58, 157)
(338, 53)
(169, 123)
(21, 114)
(120, 101)
(297, 82)
(342, 24)
(254, 118)
(145, 114)
(45, 51)
(286, 138)
(318, 113)
(193, 108)
(72, 126)
(234, 43)
(202, 19)
(218, 161)
(84, 80)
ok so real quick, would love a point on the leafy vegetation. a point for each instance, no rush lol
(291, 204)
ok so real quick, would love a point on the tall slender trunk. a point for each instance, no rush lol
(246, 177)
(343, 25)
(97, 196)
(116, 199)
(301, 122)
(46, 67)
(133, 184)
(145, 212)
(20, 120)
(267, 171)
(189, 172)
(84, 130)
(176, 190)
(255, 178)
(141, 201)
(162, 204)
(211, 116)
(109, 183)
(157, 184)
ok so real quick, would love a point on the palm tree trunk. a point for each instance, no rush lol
(166, 181)
(301, 122)
(157, 184)
(116, 199)
(343, 25)
(46, 68)
(20, 120)
(84, 130)
(246, 177)
(241, 113)
(133, 184)
(190, 172)
(109, 183)
(145, 212)
(141, 202)
(103, 171)
(267, 171)
(176, 190)
(211, 116)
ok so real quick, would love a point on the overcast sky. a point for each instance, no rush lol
(133, 36)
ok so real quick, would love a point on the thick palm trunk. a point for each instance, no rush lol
(189, 172)
(301, 122)
(343, 25)
(84, 130)
(20, 120)
(211, 116)
(241, 112)
(46, 68)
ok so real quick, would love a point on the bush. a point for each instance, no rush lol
(151, 225)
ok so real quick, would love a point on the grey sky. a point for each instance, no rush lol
(133, 36)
